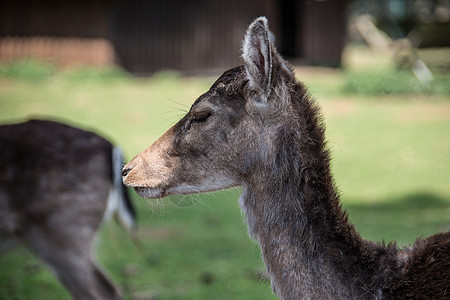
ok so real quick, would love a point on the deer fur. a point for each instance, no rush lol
(57, 183)
(258, 127)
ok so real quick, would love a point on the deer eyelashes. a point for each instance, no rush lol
(201, 117)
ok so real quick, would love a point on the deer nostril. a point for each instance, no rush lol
(125, 171)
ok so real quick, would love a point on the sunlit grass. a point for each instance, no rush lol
(390, 161)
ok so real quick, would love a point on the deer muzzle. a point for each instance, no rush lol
(149, 172)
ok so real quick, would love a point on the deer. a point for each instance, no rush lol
(259, 128)
(57, 184)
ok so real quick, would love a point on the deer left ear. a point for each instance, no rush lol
(257, 55)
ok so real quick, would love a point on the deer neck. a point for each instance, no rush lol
(292, 208)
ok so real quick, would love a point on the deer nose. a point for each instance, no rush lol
(126, 170)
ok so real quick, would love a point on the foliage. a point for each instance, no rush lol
(28, 69)
(89, 74)
(393, 82)
(37, 70)
(384, 80)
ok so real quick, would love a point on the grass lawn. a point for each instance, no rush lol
(391, 161)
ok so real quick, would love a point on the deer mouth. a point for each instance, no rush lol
(162, 190)
(150, 193)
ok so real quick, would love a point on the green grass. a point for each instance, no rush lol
(390, 161)
(389, 82)
(369, 73)
(28, 69)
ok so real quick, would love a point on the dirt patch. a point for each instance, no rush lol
(160, 234)
(317, 74)
(423, 112)
(339, 108)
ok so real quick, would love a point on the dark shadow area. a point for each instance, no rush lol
(411, 202)
(401, 219)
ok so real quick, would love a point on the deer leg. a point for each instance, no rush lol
(74, 266)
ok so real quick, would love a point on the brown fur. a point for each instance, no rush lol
(258, 127)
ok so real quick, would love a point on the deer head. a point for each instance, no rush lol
(228, 132)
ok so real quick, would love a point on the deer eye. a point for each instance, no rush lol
(201, 117)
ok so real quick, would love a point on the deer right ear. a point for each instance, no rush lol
(257, 55)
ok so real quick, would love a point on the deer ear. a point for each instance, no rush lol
(257, 55)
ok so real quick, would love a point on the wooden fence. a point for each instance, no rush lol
(145, 36)
(184, 35)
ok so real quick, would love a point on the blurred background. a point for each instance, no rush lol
(128, 70)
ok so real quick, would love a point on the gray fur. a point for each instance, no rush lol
(55, 182)
(259, 128)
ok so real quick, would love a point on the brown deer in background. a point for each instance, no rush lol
(258, 127)
(57, 183)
